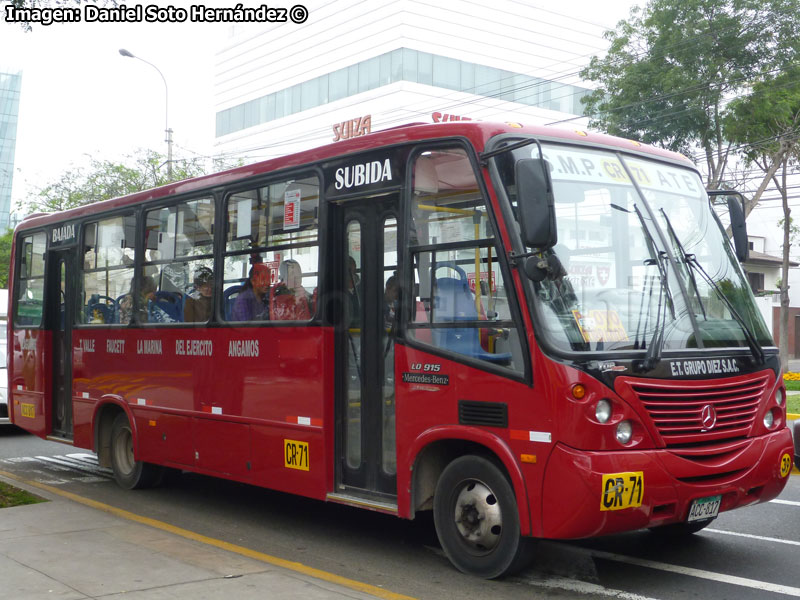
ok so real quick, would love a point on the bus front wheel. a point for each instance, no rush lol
(475, 512)
(129, 473)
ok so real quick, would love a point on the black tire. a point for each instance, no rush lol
(475, 512)
(129, 473)
(797, 444)
(680, 529)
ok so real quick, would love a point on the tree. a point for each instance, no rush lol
(103, 180)
(770, 115)
(106, 179)
(5, 257)
(672, 66)
(48, 4)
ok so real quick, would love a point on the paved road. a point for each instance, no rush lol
(749, 553)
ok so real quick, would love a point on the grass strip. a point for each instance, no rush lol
(12, 496)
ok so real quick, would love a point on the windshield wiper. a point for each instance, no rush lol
(653, 354)
(684, 254)
(691, 260)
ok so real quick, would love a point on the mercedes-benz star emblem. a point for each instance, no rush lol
(708, 417)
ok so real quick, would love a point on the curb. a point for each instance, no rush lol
(297, 567)
(792, 416)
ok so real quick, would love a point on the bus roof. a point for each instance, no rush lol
(478, 132)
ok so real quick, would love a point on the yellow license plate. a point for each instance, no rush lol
(622, 490)
(28, 410)
(295, 455)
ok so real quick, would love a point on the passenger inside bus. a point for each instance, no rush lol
(353, 293)
(391, 300)
(289, 300)
(198, 304)
(251, 303)
(147, 293)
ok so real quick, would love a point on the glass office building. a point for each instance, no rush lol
(10, 84)
(403, 64)
(282, 87)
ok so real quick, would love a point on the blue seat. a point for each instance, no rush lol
(166, 308)
(228, 298)
(453, 301)
(100, 307)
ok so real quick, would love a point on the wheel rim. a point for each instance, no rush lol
(123, 451)
(478, 518)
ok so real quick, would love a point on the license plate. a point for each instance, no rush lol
(295, 455)
(704, 508)
(28, 410)
(622, 490)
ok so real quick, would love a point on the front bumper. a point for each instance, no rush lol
(572, 497)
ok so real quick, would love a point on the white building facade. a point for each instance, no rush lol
(355, 67)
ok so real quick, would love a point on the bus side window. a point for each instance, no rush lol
(179, 259)
(461, 304)
(272, 252)
(30, 298)
(108, 253)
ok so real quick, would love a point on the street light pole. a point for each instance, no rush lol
(167, 130)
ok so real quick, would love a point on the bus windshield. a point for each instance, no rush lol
(636, 266)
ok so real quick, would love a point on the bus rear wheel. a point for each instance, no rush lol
(475, 512)
(129, 473)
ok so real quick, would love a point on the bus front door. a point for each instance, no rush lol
(366, 435)
(60, 292)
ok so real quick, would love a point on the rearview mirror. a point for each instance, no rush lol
(537, 214)
(738, 226)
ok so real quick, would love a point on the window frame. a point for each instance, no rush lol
(307, 171)
(18, 278)
(140, 262)
(81, 271)
(523, 373)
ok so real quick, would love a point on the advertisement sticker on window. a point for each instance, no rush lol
(291, 210)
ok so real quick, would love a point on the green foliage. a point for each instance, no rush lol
(5, 257)
(765, 121)
(105, 179)
(672, 66)
(26, 26)
(793, 402)
(13, 496)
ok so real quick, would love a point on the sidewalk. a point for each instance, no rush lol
(63, 550)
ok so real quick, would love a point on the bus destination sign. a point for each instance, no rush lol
(362, 174)
(64, 234)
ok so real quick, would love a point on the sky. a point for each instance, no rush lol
(81, 99)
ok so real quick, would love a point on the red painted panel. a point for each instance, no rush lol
(269, 460)
(82, 414)
(30, 363)
(222, 447)
(164, 437)
(196, 394)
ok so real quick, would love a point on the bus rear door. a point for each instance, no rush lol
(61, 281)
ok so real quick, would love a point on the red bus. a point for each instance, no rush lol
(533, 333)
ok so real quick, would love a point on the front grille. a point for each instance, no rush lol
(683, 411)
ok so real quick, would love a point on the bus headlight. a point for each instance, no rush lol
(780, 397)
(769, 419)
(624, 432)
(603, 411)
